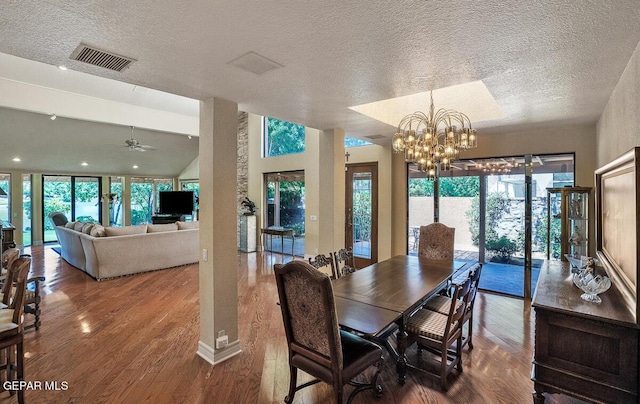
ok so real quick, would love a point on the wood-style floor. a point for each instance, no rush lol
(133, 340)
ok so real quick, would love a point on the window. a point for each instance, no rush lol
(192, 185)
(281, 137)
(352, 142)
(5, 206)
(115, 201)
(144, 197)
(77, 197)
(26, 209)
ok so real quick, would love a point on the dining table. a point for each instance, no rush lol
(376, 298)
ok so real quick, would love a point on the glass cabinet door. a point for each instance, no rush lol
(578, 205)
(568, 223)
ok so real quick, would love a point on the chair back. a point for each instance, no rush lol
(58, 218)
(8, 256)
(457, 311)
(474, 277)
(344, 261)
(321, 261)
(436, 242)
(309, 313)
(20, 269)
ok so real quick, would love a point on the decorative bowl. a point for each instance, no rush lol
(577, 261)
(591, 285)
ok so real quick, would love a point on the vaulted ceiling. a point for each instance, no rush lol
(546, 63)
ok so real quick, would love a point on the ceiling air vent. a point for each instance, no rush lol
(373, 137)
(254, 63)
(97, 57)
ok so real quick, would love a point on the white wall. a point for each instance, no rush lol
(618, 129)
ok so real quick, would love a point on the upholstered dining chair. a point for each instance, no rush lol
(315, 342)
(344, 262)
(436, 242)
(438, 332)
(321, 261)
(442, 303)
(11, 330)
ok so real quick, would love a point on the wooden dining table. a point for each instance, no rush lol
(373, 299)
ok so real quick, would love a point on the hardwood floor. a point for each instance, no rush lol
(133, 339)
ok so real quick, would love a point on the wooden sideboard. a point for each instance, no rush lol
(582, 349)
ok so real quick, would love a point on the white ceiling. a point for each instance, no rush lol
(546, 63)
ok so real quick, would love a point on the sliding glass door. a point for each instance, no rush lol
(77, 197)
(485, 200)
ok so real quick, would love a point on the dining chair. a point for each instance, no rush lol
(32, 297)
(438, 332)
(442, 303)
(436, 242)
(321, 261)
(344, 262)
(315, 342)
(7, 276)
(11, 329)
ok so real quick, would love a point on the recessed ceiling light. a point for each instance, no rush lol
(189, 137)
(135, 166)
(17, 159)
(84, 163)
(62, 67)
(53, 117)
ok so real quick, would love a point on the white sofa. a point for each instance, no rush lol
(116, 252)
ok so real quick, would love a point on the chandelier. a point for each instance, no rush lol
(434, 141)
(498, 167)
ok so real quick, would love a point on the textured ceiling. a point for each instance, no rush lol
(546, 63)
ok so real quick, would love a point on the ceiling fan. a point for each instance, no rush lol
(134, 145)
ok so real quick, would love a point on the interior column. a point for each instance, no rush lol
(218, 214)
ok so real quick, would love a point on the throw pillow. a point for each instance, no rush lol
(126, 230)
(69, 225)
(86, 229)
(78, 226)
(188, 225)
(157, 228)
(97, 231)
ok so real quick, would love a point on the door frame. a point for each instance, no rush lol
(351, 169)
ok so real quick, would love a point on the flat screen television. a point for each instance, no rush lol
(176, 202)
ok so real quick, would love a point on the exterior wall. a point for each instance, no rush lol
(618, 129)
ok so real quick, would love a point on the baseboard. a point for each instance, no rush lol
(216, 356)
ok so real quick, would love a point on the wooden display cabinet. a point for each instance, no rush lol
(568, 209)
(7, 236)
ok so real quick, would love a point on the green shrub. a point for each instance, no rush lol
(503, 247)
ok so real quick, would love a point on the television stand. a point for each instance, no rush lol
(164, 219)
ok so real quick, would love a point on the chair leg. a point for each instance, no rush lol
(470, 336)
(20, 368)
(443, 368)
(459, 353)
(337, 388)
(374, 382)
(293, 372)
